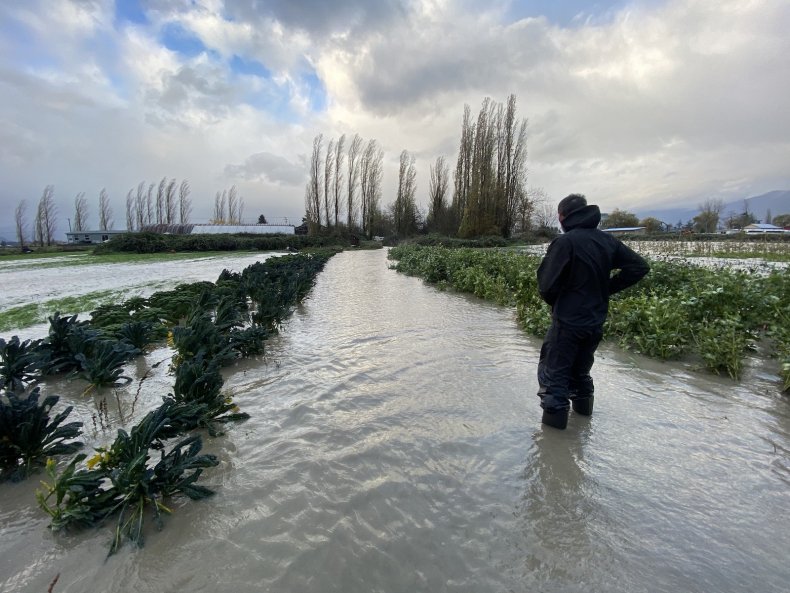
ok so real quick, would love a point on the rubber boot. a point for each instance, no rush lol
(583, 405)
(555, 418)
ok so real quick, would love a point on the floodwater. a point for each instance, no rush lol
(395, 445)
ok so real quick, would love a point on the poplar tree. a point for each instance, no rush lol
(21, 222)
(80, 213)
(105, 211)
(329, 169)
(438, 215)
(338, 186)
(184, 203)
(352, 182)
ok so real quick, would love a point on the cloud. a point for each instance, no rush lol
(650, 101)
(269, 167)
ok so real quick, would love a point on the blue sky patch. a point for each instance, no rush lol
(562, 13)
(178, 39)
(317, 91)
(240, 65)
(130, 11)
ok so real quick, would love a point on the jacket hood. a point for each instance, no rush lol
(587, 217)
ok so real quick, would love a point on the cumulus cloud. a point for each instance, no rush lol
(644, 102)
(269, 167)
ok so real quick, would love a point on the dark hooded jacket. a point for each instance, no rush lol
(575, 278)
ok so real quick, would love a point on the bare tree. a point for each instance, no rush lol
(354, 150)
(329, 169)
(544, 215)
(149, 204)
(219, 207)
(405, 208)
(526, 202)
(314, 188)
(170, 202)
(370, 174)
(310, 214)
(184, 203)
(21, 222)
(38, 226)
(516, 168)
(80, 213)
(437, 196)
(130, 211)
(240, 215)
(463, 169)
(46, 212)
(233, 205)
(490, 172)
(338, 188)
(105, 211)
(160, 201)
(708, 218)
(139, 206)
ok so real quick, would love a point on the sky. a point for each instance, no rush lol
(637, 104)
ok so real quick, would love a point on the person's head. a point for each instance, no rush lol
(570, 204)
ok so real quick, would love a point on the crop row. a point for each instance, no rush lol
(678, 310)
(207, 325)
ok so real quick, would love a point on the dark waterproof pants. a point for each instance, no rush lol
(566, 358)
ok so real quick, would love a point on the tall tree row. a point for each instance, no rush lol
(370, 176)
(358, 171)
(490, 173)
(228, 206)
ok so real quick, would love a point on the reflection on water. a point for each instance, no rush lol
(395, 445)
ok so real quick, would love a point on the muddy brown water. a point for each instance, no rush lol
(395, 445)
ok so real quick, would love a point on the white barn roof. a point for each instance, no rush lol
(230, 229)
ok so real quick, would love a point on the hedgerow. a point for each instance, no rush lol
(714, 315)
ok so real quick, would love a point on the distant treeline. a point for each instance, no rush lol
(156, 243)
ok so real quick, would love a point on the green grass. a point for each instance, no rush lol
(34, 313)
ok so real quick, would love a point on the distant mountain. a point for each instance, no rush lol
(778, 202)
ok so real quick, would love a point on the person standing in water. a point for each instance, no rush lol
(575, 279)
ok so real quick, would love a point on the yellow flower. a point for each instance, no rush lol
(94, 460)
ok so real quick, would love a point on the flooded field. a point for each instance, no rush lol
(395, 445)
(48, 279)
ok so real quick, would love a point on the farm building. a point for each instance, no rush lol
(763, 228)
(627, 230)
(220, 229)
(91, 237)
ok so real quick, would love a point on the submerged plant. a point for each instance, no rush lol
(67, 338)
(249, 341)
(140, 333)
(104, 366)
(124, 479)
(198, 392)
(18, 363)
(28, 435)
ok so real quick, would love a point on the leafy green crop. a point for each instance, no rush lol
(678, 310)
(28, 435)
(18, 363)
(124, 479)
